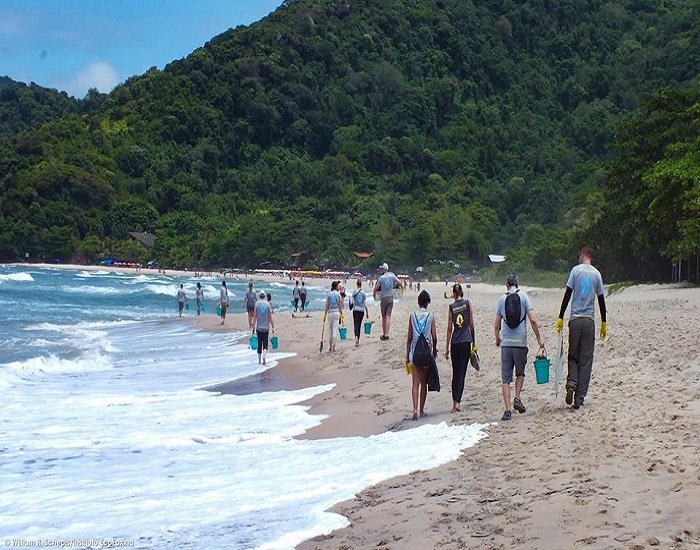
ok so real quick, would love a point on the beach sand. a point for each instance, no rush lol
(621, 472)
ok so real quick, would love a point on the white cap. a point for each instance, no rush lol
(384, 266)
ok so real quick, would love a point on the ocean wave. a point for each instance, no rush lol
(164, 290)
(89, 290)
(51, 365)
(16, 277)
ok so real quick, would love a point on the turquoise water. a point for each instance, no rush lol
(109, 432)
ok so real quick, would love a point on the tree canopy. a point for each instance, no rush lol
(421, 130)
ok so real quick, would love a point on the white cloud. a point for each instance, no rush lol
(98, 74)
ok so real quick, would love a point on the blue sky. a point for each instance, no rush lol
(74, 45)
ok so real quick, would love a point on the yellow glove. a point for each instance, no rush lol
(324, 317)
(342, 320)
(603, 330)
(409, 368)
(474, 348)
(559, 324)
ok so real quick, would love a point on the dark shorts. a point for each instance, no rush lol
(181, 305)
(250, 309)
(512, 358)
(262, 339)
(386, 305)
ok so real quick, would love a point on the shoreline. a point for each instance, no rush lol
(621, 472)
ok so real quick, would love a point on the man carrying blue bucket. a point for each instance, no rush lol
(263, 321)
(511, 336)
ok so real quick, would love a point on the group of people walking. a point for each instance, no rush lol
(584, 286)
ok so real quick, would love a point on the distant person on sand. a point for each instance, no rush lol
(385, 287)
(583, 286)
(263, 321)
(199, 297)
(333, 314)
(358, 305)
(511, 337)
(269, 301)
(420, 322)
(181, 299)
(295, 296)
(461, 342)
(223, 301)
(249, 303)
(302, 296)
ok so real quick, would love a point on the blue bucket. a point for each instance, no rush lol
(343, 332)
(253, 342)
(542, 369)
(274, 341)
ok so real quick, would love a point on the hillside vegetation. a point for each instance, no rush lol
(421, 130)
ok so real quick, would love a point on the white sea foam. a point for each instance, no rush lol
(16, 277)
(40, 367)
(68, 289)
(162, 289)
(115, 434)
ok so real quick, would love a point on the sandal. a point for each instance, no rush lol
(506, 415)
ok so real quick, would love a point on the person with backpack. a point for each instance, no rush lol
(584, 285)
(461, 342)
(334, 314)
(511, 336)
(421, 352)
(358, 305)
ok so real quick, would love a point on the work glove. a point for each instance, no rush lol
(342, 320)
(324, 317)
(603, 330)
(559, 324)
(474, 348)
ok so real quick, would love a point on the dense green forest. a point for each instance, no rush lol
(424, 131)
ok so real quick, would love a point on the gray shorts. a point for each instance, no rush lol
(386, 305)
(512, 358)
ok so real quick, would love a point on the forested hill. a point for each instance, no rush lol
(420, 130)
(22, 105)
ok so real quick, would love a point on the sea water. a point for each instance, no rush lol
(108, 435)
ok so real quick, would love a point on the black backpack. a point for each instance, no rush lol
(422, 354)
(513, 310)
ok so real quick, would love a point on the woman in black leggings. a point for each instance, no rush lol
(358, 305)
(460, 342)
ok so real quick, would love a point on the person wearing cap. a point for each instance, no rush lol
(513, 344)
(334, 314)
(385, 287)
(249, 300)
(263, 321)
(585, 283)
